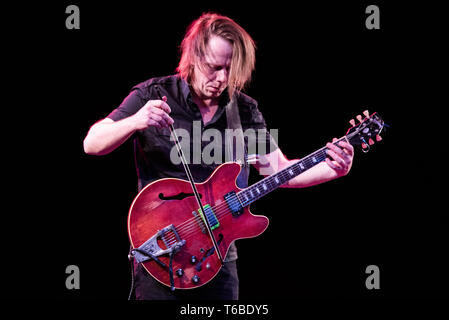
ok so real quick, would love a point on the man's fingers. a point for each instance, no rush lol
(331, 164)
(344, 149)
(154, 123)
(336, 149)
(347, 147)
(337, 158)
(340, 156)
(162, 105)
(163, 119)
(163, 114)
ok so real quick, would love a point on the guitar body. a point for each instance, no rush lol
(170, 201)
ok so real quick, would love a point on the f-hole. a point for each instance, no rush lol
(178, 196)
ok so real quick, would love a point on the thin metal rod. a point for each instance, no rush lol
(192, 183)
(195, 191)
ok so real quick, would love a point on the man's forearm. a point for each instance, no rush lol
(106, 135)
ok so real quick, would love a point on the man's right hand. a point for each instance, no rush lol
(153, 113)
(106, 135)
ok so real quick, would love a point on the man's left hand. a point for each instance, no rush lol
(341, 156)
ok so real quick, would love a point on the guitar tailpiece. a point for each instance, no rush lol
(151, 250)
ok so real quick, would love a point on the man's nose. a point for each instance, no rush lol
(222, 75)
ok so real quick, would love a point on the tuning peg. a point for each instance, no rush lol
(370, 141)
(352, 122)
(378, 137)
(364, 146)
(366, 113)
(359, 117)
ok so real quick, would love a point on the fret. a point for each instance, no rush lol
(241, 199)
(268, 184)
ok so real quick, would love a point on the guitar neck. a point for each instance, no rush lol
(270, 183)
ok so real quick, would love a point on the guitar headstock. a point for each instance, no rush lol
(367, 131)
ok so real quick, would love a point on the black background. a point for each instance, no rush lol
(317, 67)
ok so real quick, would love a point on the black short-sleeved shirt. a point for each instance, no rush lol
(153, 148)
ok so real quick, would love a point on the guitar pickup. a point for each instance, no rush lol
(233, 203)
(211, 218)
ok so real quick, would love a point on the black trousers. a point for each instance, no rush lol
(225, 286)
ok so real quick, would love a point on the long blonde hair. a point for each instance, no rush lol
(194, 48)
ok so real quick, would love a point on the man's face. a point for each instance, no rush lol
(211, 78)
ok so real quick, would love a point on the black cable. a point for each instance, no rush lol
(170, 272)
(130, 258)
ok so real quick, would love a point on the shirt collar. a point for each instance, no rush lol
(185, 89)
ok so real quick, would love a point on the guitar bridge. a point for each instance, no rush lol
(151, 250)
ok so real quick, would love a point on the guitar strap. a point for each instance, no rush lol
(235, 142)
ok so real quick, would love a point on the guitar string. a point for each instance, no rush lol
(253, 190)
(224, 206)
(199, 224)
(269, 180)
(192, 229)
(219, 214)
(191, 224)
(187, 228)
(186, 234)
(222, 209)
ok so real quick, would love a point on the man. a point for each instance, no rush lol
(218, 57)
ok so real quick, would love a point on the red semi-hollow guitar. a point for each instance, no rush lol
(167, 230)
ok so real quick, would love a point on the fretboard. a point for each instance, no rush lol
(268, 184)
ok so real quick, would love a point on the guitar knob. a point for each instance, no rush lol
(179, 272)
(195, 279)
(193, 260)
